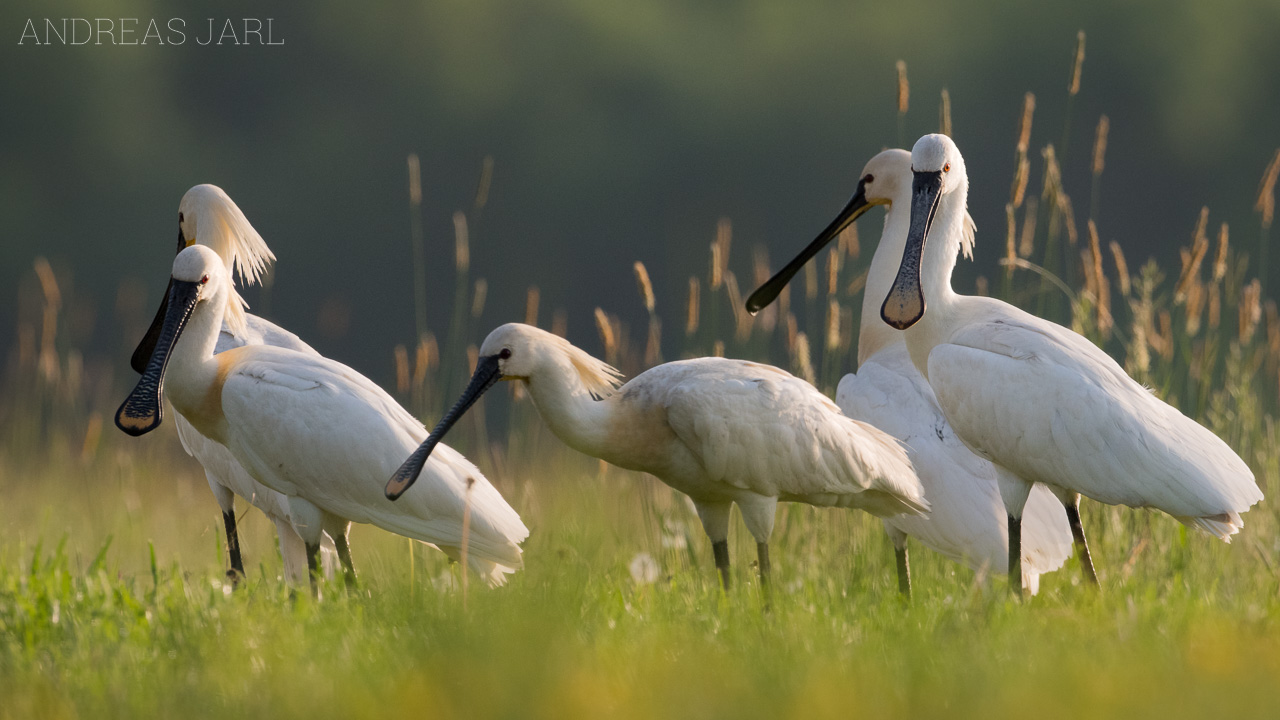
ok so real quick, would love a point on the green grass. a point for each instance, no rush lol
(91, 625)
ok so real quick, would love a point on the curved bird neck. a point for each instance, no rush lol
(874, 334)
(193, 369)
(567, 406)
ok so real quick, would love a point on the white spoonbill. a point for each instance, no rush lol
(967, 520)
(720, 431)
(208, 216)
(313, 429)
(1040, 401)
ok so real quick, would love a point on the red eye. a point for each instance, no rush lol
(946, 168)
(204, 279)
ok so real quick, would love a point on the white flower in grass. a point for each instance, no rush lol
(644, 569)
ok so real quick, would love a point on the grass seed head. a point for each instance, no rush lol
(1100, 145)
(1024, 123)
(904, 89)
(645, 287)
(1077, 65)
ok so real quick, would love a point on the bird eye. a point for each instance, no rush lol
(504, 353)
(868, 179)
(204, 279)
(946, 168)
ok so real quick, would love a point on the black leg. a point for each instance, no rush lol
(236, 573)
(762, 555)
(1082, 544)
(721, 550)
(904, 571)
(344, 555)
(313, 567)
(1015, 556)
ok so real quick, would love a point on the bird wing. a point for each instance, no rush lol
(761, 429)
(1050, 406)
(308, 426)
(259, 331)
(967, 518)
(219, 464)
(265, 332)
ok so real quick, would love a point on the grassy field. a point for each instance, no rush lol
(113, 601)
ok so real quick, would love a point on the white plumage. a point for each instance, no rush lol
(967, 520)
(721, 431)
(316, 431)
(208, 216)
(1042, 401)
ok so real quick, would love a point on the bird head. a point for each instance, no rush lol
(198, 278)
(886, 177)
(937, 171)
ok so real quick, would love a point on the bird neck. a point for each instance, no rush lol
(193, 370)
(941, 251)
(874, 334)
(939, 260)
(567, 406)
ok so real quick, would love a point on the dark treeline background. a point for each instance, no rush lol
(620, 131)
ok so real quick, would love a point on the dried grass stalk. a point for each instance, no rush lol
(1020, 179)
(1026, 244)
(560, 323)
(1100, 145)
(1024, 123)
(402, 369)
(715, 280)
(1010, 237)
(1122, 267)
(645, 287)
(1192, 259)
(461, 242)
(653, 346)
(694, 307)
(833, 324)
(486, 178)
(1250, 310)
(833, 271)
(1220, 258)
(415, 180)
(904, 89)
(478, 297)
(531, 301)
(1101, 286)
(1266, 202)
(858, 283)
(801, 360)
(607, 338)
(944, 113)
(1077, 65)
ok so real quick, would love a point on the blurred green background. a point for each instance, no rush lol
(620, 131)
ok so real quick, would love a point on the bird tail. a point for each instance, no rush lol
(895, 487)
(1221, 526)
(493, 573)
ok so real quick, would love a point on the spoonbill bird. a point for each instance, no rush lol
(208, 216)
(1040, 401)
(967, 520)
(720, 431)
(313, 429)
